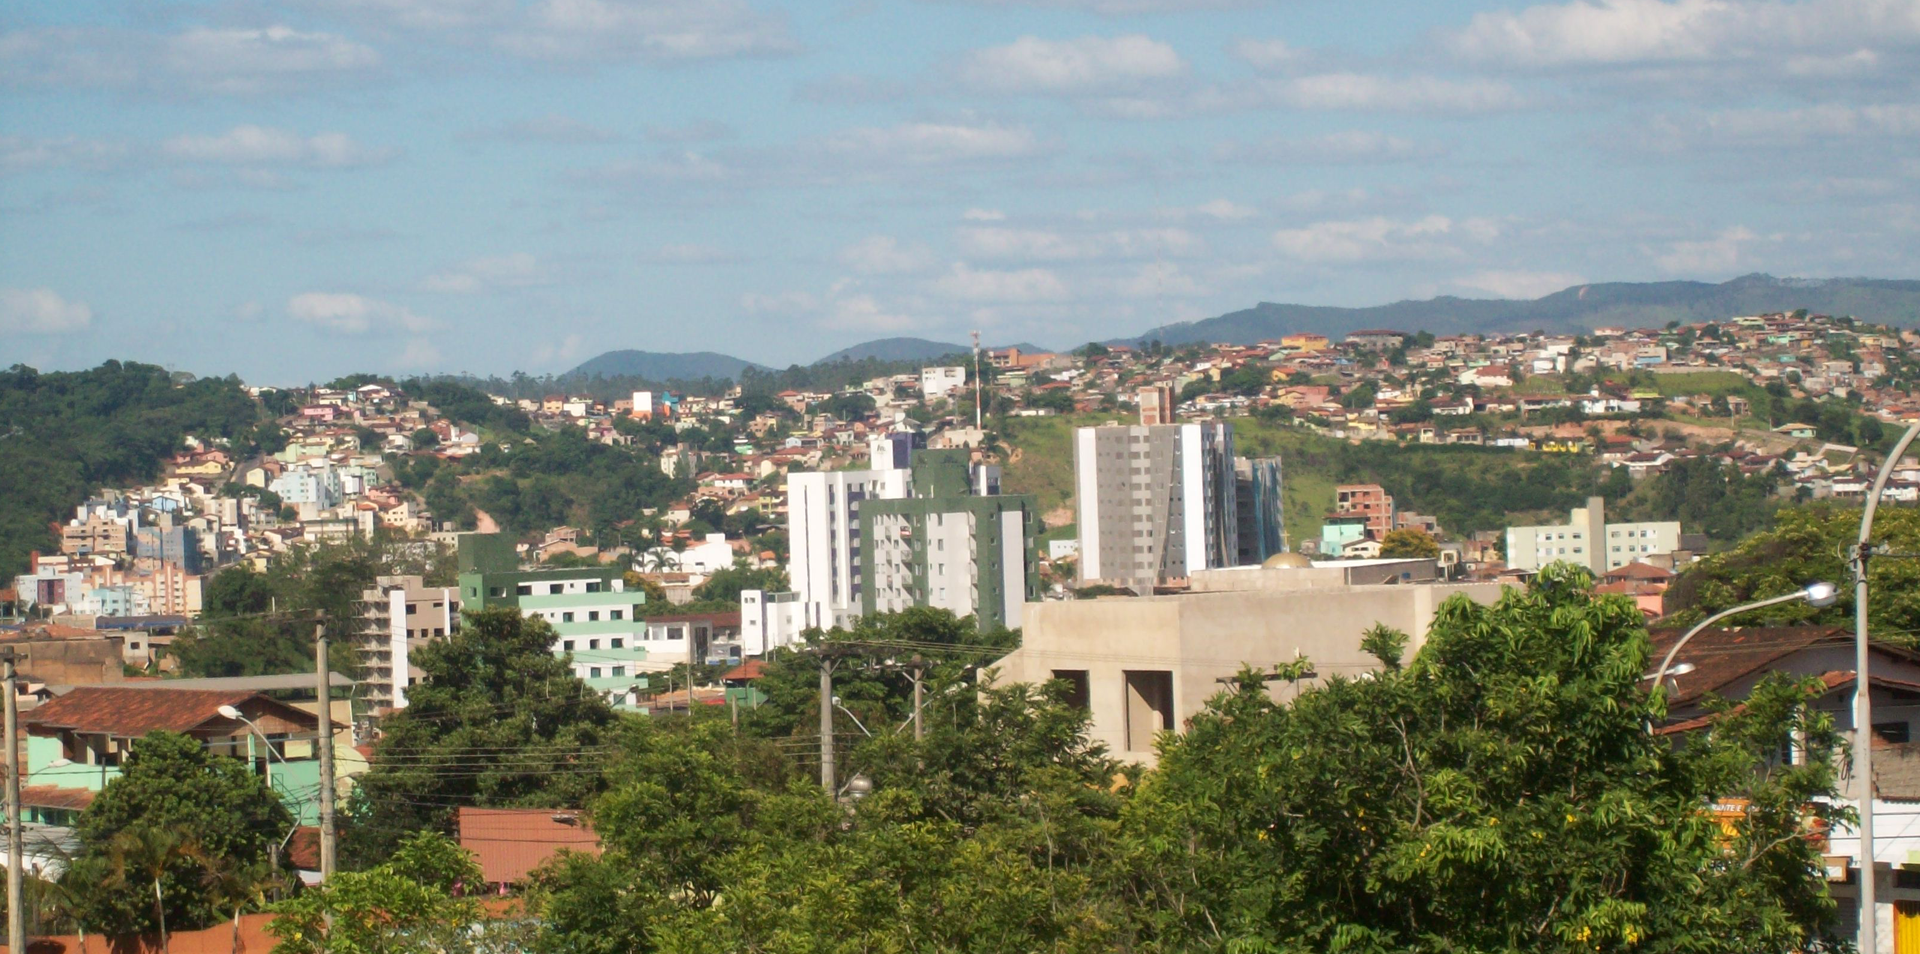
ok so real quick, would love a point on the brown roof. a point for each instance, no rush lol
(509, 842)
(1639, 571)
(53, 796)
(746, 671)
(130, 712)
(303, 849)
(1723, 656)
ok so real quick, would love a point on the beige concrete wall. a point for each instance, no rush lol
(1204, 638)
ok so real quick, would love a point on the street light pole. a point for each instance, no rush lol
(1818, 594)
(1863, 696)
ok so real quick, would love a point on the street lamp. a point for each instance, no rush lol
(229, 712)
(850, 715)
(1816, 594)
(1863, 694)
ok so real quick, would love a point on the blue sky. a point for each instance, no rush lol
(295, 190)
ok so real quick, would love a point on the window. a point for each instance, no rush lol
(616, 643)
(1149, 698)
(567, 644)
(593, 672)
(593, 644)
(1078, 694)
(617, 614)
(555, 588)
(566, 617)
(524, 589)
(619, 672)
(1894, 732)
(593, 616)
(412, 609)
(438, 631)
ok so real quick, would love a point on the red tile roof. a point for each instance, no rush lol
(1723, 656)
(53, 796)
(746, 671)
(510, 842)
(129, 712)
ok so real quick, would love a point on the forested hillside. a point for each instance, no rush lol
(66, 434)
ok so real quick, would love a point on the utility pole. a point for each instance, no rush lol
(919, 695)
(977, 386)
(826, 723)
(325, 745)
(16, 917)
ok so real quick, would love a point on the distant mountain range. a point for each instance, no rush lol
(1580, 308)
(664, 365)
(1577, 309)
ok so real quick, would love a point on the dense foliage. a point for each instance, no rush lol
(64, 435)
(1708, 497)
(496, 721)
(1809, 544)
(176, 814)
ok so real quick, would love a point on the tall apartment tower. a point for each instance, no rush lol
(1155, 503)
(956, 543)
(397, 615)
(823, 527)
(1156, 405)
(1261, 527)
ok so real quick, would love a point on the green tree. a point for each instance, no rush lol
(175, 809)
(408, 905)
(1808, 544)
(1499, 793)
(1409, 542)
(496, 721)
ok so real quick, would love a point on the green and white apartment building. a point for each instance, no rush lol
(596, 620)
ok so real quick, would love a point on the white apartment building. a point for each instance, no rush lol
(939, 382)
(823, 537)
(319, 486)
(768, 620)
(399, 613)
(1154, 503)
(1589, 540)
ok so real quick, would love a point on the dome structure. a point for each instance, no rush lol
(1287, 561)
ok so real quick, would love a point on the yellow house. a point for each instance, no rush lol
(1305, 341)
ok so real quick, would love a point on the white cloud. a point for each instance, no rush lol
(699, 130)
(1267, 54)
(1815, 125)
(355, 314)
(228, 61)
(1227, 211)
(1641, 32)
(259, 145)
(689, 253)
(41, 311)
(865, 313)
(778, 303)
(1348, 147)
(984, 215)
(568, 350)
(419, 354)
(1003, 244)
(929, 143)
(1022, 285)
(488, 273)
(1371, 239)
(551, 128)
(1157, 280)
(429, 14)
(21, 153)
(1519, 284)
(1376, 92)
(651, 30)
(1085, 65)
(1127, 7)
(1718, 255)
(886, 255)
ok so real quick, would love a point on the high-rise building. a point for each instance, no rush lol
(1155, 503)
(955, 543)
(595, 618)
(823, 527)
(398, 614)
(1589, 540)
(1261, 530)
(1156, 405)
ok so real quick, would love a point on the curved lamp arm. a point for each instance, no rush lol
(1819, 594)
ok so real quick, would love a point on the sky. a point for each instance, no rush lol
(295, 190)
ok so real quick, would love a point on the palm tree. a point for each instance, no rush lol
(142, 854)
(232, 884)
